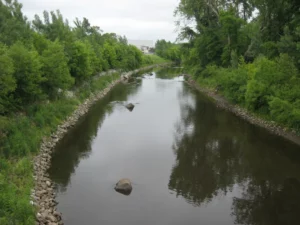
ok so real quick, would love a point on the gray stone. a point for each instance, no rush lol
(48, 183)
(130, 106)
(51, 218)
(124, 186)
(57, 215)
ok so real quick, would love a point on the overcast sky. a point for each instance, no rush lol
(136, 19)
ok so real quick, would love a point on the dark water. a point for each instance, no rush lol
(190, 163)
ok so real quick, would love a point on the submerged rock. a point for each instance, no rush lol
(130, 106)
(124, 187)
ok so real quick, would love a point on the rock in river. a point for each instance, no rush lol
(130, 106)
(124, 186)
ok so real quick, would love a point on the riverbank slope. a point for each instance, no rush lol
(222, 102)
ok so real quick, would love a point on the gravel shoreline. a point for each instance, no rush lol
(43, 195)
(243, 113)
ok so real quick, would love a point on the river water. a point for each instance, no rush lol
(189, 161)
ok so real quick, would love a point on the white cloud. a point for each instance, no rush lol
(136, 19)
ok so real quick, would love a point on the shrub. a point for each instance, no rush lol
(256, 96)
(15, 185)
(7, 81)
(110, 55)
(285, 113)
(235, 84)
(80, 64)
(27, 73)
(55, 69)
(280, 110)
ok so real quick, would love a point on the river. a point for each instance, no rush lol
(189, 161)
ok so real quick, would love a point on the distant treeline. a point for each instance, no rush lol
(168, 50)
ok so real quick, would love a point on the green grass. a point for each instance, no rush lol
(16, 182)
(262, 87)
(20, 138)
(168, 73)
(93, 85)
(153, 59)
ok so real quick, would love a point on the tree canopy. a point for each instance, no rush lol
(42, 58)
(247, 49)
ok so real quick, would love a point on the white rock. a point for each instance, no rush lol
(48, 183)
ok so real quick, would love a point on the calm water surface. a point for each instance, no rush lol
(190, 163)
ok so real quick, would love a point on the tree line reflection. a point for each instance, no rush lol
(76, 145)
(215, 150)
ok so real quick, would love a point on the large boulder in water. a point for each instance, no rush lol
(124, 186)
(129, 106)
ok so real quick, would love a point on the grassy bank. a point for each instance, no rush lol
(21, 136)
(153, 59)
(268, 88)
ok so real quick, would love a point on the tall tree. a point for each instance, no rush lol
(55, 69)
(7, 81)
(13, 24)
(27, 73)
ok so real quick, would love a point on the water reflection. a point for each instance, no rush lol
(216, 151)
(168, 73)
(190, 162)
(76, 145)
(267, 203)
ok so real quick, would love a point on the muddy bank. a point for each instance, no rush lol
(241, 112)
(43, 195)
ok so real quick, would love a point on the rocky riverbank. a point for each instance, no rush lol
(43, 195)
(241, 112)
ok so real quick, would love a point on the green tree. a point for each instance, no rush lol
(274, 15)
(55, 69)
(132, 58)
(230, 33)
(168, 50)
(110, 55)
(27, 73)
(40, 42)
(7, 81)
(54, 27)
(80, 63)
(13, 24)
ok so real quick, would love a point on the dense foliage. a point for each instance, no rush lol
(247, 49)
(40, 60)
(168, 50)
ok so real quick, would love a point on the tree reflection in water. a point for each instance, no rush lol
(76, 145)
(216, 150)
